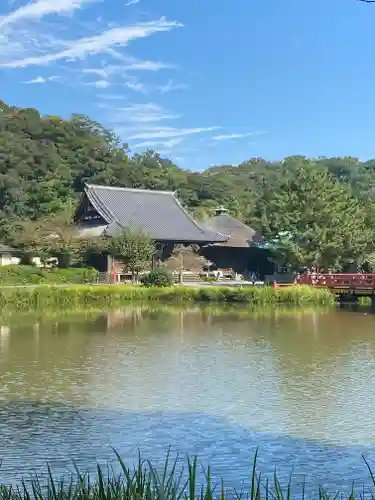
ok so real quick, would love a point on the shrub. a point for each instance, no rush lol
(159, 277)
(31, 275)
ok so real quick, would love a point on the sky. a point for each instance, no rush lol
(203, 82)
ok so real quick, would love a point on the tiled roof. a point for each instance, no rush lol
(157, 213)
(240, 235)
(7, 249)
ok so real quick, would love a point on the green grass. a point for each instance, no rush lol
(144, 482)
(78, 296)
(16, 317)
(31, 275)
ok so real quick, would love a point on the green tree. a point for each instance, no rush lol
(310, 219)
(45, 161)
(134, 249)
(186, 258)
(50, 237)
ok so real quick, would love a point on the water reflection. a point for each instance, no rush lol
(212, 383)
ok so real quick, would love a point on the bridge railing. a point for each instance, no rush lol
(336, 280)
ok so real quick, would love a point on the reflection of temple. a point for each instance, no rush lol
(4, 338)
(244, 250)
(128, 318)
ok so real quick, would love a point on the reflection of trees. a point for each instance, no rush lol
(286, 368)
(44, 359)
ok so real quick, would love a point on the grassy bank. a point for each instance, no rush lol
(116, 295)
(31, 275)
(189, 482)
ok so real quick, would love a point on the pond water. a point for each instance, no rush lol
(298, 386)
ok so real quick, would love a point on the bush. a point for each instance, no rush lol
(31, 275)
(159, 277)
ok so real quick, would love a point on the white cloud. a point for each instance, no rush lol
(40, 8)
(110, 97)
(137, 87)
(152, 144)
(168, 132)
(144, 122)
(226, 137)
(148, 66)
(40, 79)
(102, 84)
(104, 42)
(132, 2)
(97, 71)
(141, 114)
(170, 86)
(127, 67)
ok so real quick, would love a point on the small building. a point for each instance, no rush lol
(9, 255)
(105, 210)
(244, 250)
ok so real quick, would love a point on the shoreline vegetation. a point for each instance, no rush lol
(173, 481)
(78, 296)
(143, 310)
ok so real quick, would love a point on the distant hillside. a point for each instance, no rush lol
(45, 160)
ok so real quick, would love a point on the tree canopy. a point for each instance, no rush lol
(312, 219)
(45, 161)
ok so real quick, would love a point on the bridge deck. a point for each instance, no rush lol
(362, 285)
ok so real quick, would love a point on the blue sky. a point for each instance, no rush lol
(202, 81)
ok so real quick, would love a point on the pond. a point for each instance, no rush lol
(213, 383)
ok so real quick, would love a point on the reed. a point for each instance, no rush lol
(78, 296)
(145, 482)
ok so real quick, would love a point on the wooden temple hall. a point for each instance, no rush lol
(225, 241)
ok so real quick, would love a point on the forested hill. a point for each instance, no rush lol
(44, 162)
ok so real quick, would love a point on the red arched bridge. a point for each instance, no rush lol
(344, 285)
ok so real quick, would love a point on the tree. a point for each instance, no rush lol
(133, 248)
(186, 258)
(310, 219)
(45, 161)
(50, 237)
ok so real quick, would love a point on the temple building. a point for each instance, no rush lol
(105, 210)
(244, 250)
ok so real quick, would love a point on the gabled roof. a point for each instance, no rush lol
(239, 234)
(7, 249)
(157, 213)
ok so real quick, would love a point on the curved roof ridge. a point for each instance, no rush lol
(239, 234)
(177, 201)
(229, 216)
(103, 211)
(123, 188)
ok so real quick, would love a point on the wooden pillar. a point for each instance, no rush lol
(156, 259)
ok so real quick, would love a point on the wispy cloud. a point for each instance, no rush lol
(148, 65)
(102, 84)
(151, 144)
(170, 86)
(145, 122)
(227, 137)
(128, 67)
(104, 42)
(41, 8)
(31, 36)
(40, 79)
(135, 114)
(169, 132)
(137, 87)
(109, 97)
